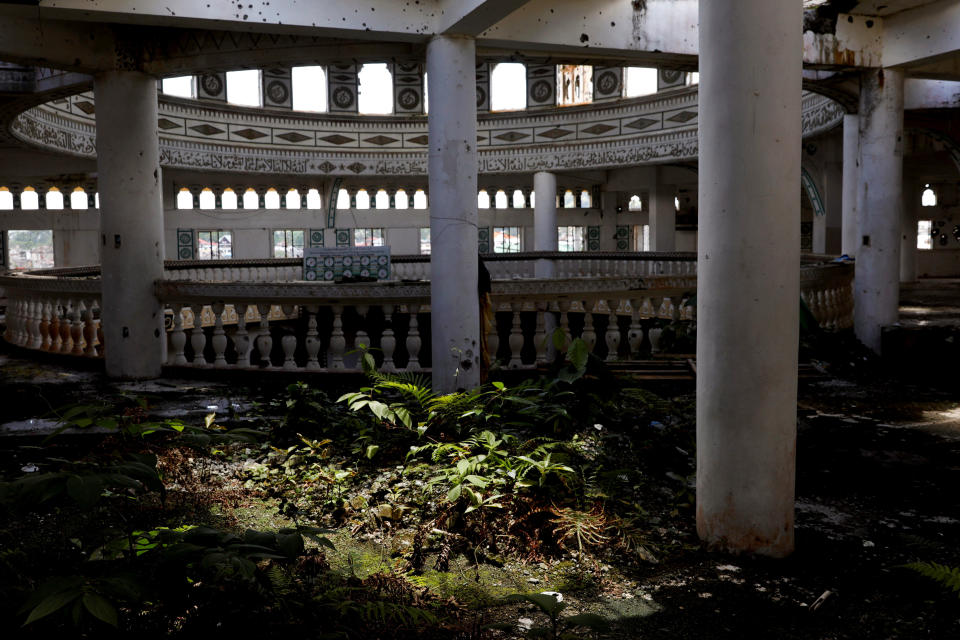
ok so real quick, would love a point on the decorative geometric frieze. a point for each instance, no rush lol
(212, 86)
(607, 83)
(337, 139)
(329, 265)
(86, 106)
(511, 136)
(554, 133)
(641, 123)
(483, 239)
(207, 129)
(408, 88)
(185, 244)
(541, 86)
(382, 141)
(682, 117)
(326, 167)
(342, 86)
(277, 88)
(357, 167)
(249, 134)
(669, 78)
(166, 124)
(294, 137)
(420, 139)
(483, 87)
(593, 238)
(600, 128)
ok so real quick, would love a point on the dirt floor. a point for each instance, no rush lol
(878, 473)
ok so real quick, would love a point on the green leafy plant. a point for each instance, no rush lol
(948, 577)
(558, 626)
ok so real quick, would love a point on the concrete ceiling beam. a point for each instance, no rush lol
(472, 17)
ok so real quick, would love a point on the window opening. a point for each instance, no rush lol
(574, 84)
(30, 249)
(570, 238)
(54, 199)
(569, 200)
(6, 199)
(314, 201)
(639, 81)
(243, 88)
(214, 245)
(288, 243)
(424, 241)
(376, 89)
(635, 204)
(382, 199)
(483, 199)
(929, 198)
(228, 200)
(586, 200)
(925, 233)
(181, 86)
(420, 199)
(309, 88)
(363, 199)
(401, 199)
(291, 200)
(507, 239)
(519, 202)
(508, 87)
(368, 237)
(343, 199)
(501, 199)
(250, 199)
(271, 199)
(78, 199)
(184, 199)
(208, 200)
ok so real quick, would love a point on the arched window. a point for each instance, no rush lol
(228, 200)
(382, 199)
(508, 87)
(208, 199)
(343, 199)
(401, 199)
(420, 199)
(519, 202)
(376, 89)
(184, 199)
(6, 199)
(96, 200)
(533, 199)
(569, 200)
(929, 198)
(500, 199)
(483, 199)
(693, 78)
(250, 199)
(676, 203)
(54, 199)
(78, 199)
(635, 203)
(574, 84)
(29, 199)
(243, 88)
(291, 200)
(309, 88)
(639, 81)
(363, 199)
(314, 201)
(586, 201)
(181, 86)
(271, 200)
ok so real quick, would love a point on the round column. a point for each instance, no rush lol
(748, 273)
(879, 205)
(131, 223)
(851, 178)
(544, 220)
(908, 234)
(454, 302)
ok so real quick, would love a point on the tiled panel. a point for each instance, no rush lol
(277, 88)
(316, 238)
(541, 86)
(342, 86)
(483, 87)
(185, 244)
(607, 83)
(408, 87)
(212, 86)
(669, 78)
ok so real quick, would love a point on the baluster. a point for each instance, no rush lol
(45, 306)
(66, 337)
(564, 306)
(589, 336)
(413, 339)
(361, 340)
(493, 337)
(241, 338)
(36, 315)
(89, 329)
(338, 344)
(178, 339)
(388, 343)
(516, 337)
(76, 329)
(540, 337)
(219, 340)
(613, 332)
(289, 343)
(312, 340)
(197, 338)
(635, 334)
(264, 340)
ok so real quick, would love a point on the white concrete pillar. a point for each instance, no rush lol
(544, 220)
(663, 217)
(748, 273)
(879, 203)
(831, 226)
(454, 303)
(131, 223)
(851, 182)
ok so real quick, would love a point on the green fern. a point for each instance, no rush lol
(949, 577)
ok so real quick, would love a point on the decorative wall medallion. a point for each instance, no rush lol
(326, 167)
(670, 76)
(481, 97)
(408, 98)
(683, 116)
(316, 237)
(250, 134)
(343, 97)
(357, 167)
(293, 136)
(212, 84)
(343, 238)
(541, 91)
(206, 129)
(607, 83)
(185, 244)
(278, 92)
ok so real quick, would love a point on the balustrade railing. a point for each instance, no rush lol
(258, 314)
